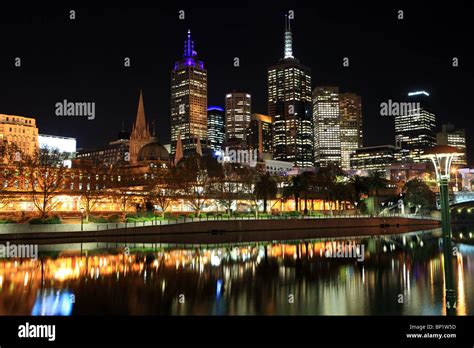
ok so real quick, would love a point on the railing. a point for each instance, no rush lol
(14, 228)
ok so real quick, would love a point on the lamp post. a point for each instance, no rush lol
(82, 219)
(356, 203)
(441, 156)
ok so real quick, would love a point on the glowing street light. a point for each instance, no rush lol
(82, 219)
(442, 156)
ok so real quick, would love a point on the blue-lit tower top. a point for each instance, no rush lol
(189, 55)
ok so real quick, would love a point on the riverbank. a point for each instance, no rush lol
(223, 231)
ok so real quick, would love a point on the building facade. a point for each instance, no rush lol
(65, 145)
(374, 158)
(259, 134)
(455, 137)
(289, 106)
(327, 126)
(215, 127)
(415, 129)
(350, 108)
(238, 110)
(19, 131)
(188, 101)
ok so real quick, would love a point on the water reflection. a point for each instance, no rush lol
(400, 275)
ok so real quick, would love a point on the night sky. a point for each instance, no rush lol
(82, 59)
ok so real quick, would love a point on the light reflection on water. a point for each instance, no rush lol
(400, 275)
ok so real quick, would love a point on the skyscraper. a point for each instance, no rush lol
(238, 110)
(327, 126)
(289, 105)
(259, 134)
(350, 109)
(456, 137)
(215, 127)
(140, 135)
(188, 100)
(415, 129)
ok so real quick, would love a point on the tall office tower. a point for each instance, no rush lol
(259, 134)
(188, 100)
(19, 131)
(350, 109)
(415, 126)
(140, 135)
(238, 110)
(456, 137)
(215, 127)
(289, 106)
(327, 126)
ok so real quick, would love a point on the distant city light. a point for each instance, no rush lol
(215, 108)
(418, 93)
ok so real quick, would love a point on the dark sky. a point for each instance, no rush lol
(82, 60)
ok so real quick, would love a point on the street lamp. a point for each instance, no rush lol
(442, 156)
(82, 219)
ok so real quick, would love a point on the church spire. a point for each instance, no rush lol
(288, 39)
(140, 128)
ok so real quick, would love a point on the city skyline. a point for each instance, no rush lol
(111, 115)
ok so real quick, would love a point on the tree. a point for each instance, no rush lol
(195, 175)
(293, 190)
(90, 197)
(375, 182)
(419, 195)
(163, 189)
(11, 172)
(45, 171)
(265, 189)
(359, 187)
(227, 186)
(249, 177)
(326, 179)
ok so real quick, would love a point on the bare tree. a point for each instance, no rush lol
(163, 189)
(45, 171)
(11, 172)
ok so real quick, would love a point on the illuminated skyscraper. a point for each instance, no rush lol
(215, 127)
(455, 137)
(259, 134)
(238, 110)
(188, 100)
(327, 126)
(415, 129)
(289, 105)
(350, 109)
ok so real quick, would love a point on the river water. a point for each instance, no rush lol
(395, 275)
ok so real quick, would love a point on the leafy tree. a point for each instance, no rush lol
(293, 189)
(419, 195)
(265, 189)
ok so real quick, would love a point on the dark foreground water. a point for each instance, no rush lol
(396, 275)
